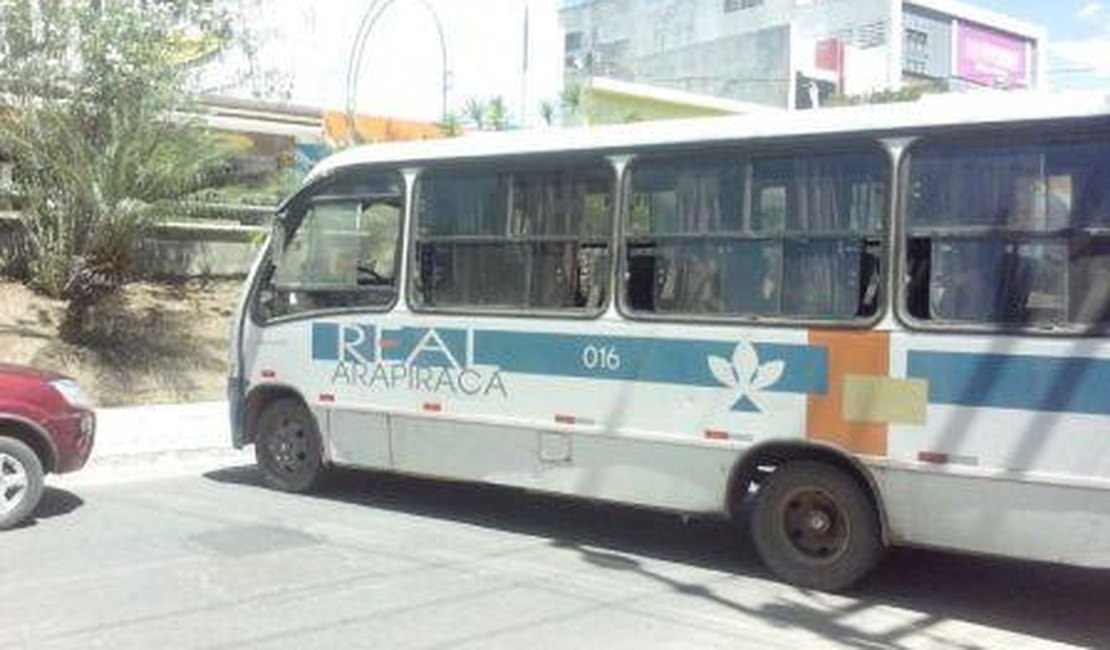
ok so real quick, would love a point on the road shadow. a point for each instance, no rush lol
(701, 542)
(1057, 603)
(57, 503)
(54, 503)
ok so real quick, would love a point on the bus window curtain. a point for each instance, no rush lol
(553, 205)
(822, 274)
(691, 282)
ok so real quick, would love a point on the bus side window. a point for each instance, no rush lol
(870, 286)
(675, 262)
(784, 237)
(641, 277)
(918, 274)
(1009, 232)
(340, 253)
(520, 239)
(1090, 281)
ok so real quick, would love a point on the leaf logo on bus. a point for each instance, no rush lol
(745, 375)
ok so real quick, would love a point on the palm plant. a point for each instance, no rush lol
(573, 99)
(99, 133)
(547, 112)
(498, 114)
(452, 125)
(475, 111)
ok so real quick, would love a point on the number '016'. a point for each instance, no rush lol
(599, 357)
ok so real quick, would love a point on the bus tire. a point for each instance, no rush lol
(815, 526)
(287, 446)
(21, 482)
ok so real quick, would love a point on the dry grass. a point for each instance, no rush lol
(154, 343)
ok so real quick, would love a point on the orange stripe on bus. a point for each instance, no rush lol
(849, 353)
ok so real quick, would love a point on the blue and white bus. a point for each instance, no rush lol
(885, 325)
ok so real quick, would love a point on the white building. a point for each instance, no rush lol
(786, 53)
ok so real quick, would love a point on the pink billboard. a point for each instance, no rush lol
(991, 58)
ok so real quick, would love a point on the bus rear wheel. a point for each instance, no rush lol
(288, 447)
(814, 526)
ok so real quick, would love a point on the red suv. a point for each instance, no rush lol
(46, 425)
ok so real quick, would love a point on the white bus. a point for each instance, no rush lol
(884, 325)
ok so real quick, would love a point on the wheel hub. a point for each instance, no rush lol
(816, 525)
(13, 483)
(288, 447)
(819, 522)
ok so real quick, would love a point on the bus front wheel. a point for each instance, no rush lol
(815, 526)
(288, 447)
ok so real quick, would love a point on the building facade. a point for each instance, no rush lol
(795, 53)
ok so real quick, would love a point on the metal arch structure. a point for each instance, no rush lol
(370, 19)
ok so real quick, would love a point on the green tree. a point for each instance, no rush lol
(101, 127)
(476, 110)
(547, 112)
(497, 114)
(573, 100)
(452, 125)
(886, 96)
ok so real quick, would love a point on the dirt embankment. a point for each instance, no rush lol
(154, 343)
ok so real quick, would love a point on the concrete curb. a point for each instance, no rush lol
(138, 430)
(142, 443)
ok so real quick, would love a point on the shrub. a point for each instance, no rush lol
(101, 127)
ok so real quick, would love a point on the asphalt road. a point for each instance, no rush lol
(209, 559)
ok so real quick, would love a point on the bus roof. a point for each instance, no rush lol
(930, 111)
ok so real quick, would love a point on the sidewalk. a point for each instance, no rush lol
(132, 430)
(160, 441)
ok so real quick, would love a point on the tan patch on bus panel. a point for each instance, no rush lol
(869, 398)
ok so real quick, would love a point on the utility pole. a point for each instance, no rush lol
(524, 112)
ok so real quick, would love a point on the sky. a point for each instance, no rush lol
(402, 73)
(1078, 38)
(401, 70)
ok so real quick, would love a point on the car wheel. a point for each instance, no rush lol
(21, 482)
(815, 526)
(288, 447)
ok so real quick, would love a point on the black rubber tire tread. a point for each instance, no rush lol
(33, 466)
(310, 474)
(863, 549)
